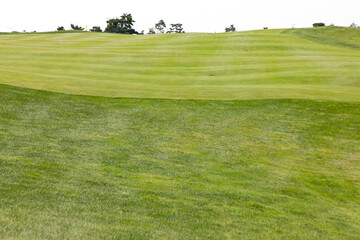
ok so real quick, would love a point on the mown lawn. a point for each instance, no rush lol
(81, 167)
(242, 65)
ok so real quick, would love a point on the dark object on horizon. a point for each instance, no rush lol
(319, 24)
(151, 31)
(121, 25)
(76, 27)
(176, 28)
(230, 29)
(95, 29)
(266, 28)
(160, 26)
(61, 28)
(353, 25)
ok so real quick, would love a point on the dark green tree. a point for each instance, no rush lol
(61, 28)
(176, 28)
(95, 29)
(230, 29)
(76, 27)
(121, 25)
(160, 26)
(151, 31)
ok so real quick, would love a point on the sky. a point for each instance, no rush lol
(195, 15)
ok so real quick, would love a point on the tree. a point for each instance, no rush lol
(95, 29)
(61, 28)
(121, 25)
(176, 28)
(151, 31)
(353, 25)
(320, 24)
(230, 29)
(160, 26)
(76, 27)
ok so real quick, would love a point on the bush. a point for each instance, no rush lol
(95, 29)
(76, 27)
(61, 28)
(230, 29)
(319, 24)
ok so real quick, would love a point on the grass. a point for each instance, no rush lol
(85, 167)
(264, 165)
(243, 65)
(336, 36)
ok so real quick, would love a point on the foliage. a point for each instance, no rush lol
(76, 27)
(61, 28)
(353, 25)
(320, 24)
(160, 26)
(151, 31)
(121, 25)
(230, 29)
(95, 29)
(176, 28)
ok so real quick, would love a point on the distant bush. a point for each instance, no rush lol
(76, 27)
(266, 28)
(176, 28)
(319, 25)
(151, 31)
(230, 29)
(95, 29)
(353, 25)
(61, 28)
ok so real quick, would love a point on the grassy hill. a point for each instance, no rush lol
(266, 146)
(337, 36)
(243, 65)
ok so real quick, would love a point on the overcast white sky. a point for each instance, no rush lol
(196, 15)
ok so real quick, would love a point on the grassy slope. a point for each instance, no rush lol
(243, 65)
(337, 36)
(81, 167)
(91, 167)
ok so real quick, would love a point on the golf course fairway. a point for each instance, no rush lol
(245, 135)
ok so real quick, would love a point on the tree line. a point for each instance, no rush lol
(124, 25)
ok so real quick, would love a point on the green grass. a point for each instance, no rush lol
(242, 65)
(337, 36)
(90, 167)
(266, 146)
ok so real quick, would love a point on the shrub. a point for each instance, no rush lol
(96, 29)
(230, 29)
(319, 24)
(76, 27)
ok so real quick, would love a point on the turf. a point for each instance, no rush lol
(86, 168)
(337, 36)
(234, 164)
(243, 65)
